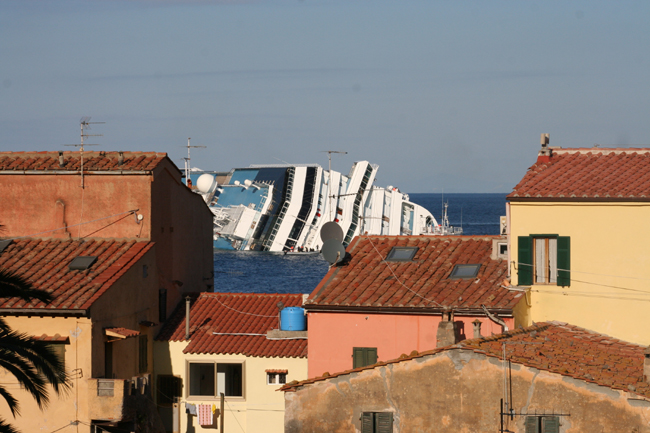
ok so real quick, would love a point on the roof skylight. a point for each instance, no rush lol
(464, 271)
(82, 263)
(402, 254)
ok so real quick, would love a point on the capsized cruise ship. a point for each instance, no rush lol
(282, 207)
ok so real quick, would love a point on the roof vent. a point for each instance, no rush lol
(4, 244)
(82, 263)
(120, 158)
(61, 160)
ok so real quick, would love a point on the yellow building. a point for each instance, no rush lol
(100, 322)
(579, 236)
(230, 344)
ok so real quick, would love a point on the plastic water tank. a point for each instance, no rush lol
(292, 319)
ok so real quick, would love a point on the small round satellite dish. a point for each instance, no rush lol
(331, 230)
(333, 251)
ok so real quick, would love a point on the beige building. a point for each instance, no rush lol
(230, 344)
(117, 241)
(551, 377)
(578, 226)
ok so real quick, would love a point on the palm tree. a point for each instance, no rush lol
(33, 363)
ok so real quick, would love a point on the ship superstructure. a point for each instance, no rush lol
(282, 207)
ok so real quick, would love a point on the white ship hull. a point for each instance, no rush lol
(283, 207)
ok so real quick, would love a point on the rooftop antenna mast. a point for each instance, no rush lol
(187, 161)
(329, 182)
(84, 124)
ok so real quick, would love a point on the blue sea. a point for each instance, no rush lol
(238, 271)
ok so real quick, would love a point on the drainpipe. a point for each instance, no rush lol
(187, 318)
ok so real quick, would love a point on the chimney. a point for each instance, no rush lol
(477, 328)
(120, 158)
(446, 335)
(187, 318)
(646, 365)
(61, 161)
(544, 154)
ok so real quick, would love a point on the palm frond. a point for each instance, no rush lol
(13, 285)
(7, 428)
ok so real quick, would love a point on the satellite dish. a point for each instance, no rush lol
(331, 230)
(333, 251)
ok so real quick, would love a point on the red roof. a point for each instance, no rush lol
(56, 338)
(553, 346)
(93, 161)
(44, 263)
(423, 283)
(235, 313)
(123, 332)
(597, 173)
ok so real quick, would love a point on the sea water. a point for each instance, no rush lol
(245, 271)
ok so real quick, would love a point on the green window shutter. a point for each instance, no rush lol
(362, 356)
(525, 261)
(384, 422)
(563, 261)
(532, 424)
(371, 355)
(357, 357)
(367, 425)
(551, 425)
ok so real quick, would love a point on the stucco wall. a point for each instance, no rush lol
(261, 409)
(65, 408)
(459, 391)
(333, 335)
(609, 262)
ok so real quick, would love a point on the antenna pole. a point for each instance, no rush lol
(329, 182)
(84, 122)
(187, 162)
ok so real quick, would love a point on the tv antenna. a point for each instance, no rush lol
(329, 182)
(85, 124)
(187, 161)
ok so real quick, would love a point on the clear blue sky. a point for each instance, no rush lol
(446, 95)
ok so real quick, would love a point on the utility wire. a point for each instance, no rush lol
(74, 225)
(397, 278)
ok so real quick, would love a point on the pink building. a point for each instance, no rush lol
(402, 294)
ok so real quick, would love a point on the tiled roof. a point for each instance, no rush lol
(56, 338)
(93, 161)
(122, 332)
(44, 263)
(552, 346)
(369, 281)
(597, 173)
(235, 313)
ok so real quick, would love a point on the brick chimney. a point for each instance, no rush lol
(646, 364)
(544, 154)
(446, 335)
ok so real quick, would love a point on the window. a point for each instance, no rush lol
(542, 424)
(544, 259)
(402, 254)
(465, 271)
(211, 379)
(276, 378)
(168, 389)
(362, 356)
(377, 422)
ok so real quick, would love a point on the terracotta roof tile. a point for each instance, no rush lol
(56, 338)
(234, 313)
(556, 347)
(93, 161)
(370, 281)
(44, 263)
(595, 173)
(123, 332)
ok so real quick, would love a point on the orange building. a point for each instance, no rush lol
(399, 294)
(116, 245)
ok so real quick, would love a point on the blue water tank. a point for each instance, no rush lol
(292, 319)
